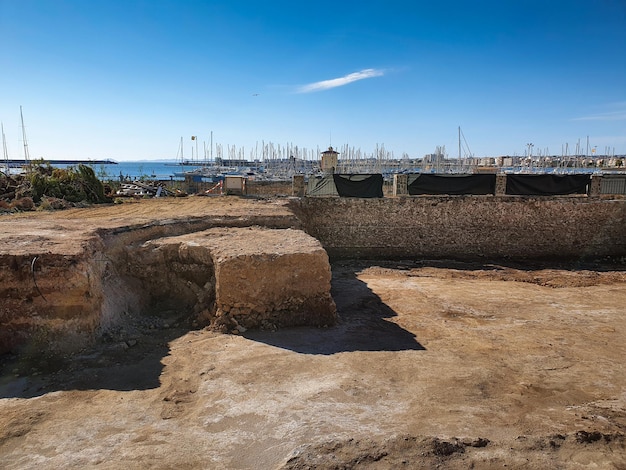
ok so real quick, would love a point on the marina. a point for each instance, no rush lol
(269, 161)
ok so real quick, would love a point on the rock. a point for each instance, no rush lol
(283, 268)
(478, 442)
(23, 204)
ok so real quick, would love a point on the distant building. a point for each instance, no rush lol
(330, 159)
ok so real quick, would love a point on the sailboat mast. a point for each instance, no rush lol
(4, 148)
(26, 154)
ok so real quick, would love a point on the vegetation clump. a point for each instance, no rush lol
(54, 188)
(74, 184)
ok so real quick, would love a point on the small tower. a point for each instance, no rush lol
(330, 158)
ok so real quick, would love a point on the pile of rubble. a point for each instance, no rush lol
(141, 189)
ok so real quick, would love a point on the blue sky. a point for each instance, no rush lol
(127, 79)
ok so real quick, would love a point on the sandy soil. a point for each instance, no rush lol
(65, 231)
(433, 365)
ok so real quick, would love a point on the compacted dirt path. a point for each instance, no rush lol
(433, 365)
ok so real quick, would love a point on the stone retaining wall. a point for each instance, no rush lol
(269, 188)
(466, 227)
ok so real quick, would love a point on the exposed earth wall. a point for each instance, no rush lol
(467, 227)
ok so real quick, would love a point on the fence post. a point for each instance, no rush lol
(297, 185)
(500, 185)
(401, 185)
(595, 187)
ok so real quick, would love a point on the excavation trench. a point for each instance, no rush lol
(524, 365)
(235, 263)
(230, 274)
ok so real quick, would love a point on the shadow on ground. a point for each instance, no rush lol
(363, 323)
(137, 365)
(364, 319)
(120, 365)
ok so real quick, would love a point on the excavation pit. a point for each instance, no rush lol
(69, 277)
(509, 363)
(240, 278)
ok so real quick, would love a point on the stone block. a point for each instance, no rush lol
(276, 277)
(261, 277)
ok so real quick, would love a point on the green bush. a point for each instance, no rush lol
(74, 184)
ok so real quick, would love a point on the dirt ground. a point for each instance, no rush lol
(65, 231)
(434, 364)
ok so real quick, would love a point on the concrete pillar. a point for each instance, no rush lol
(401, 185)
(500, 185)
(297, 185)
(191, 186)
(595, 188)
(235, 185)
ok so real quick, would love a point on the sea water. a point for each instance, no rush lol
(161, 170)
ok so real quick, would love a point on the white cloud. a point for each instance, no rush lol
(341, 81)
(619, 115)
(615, 116)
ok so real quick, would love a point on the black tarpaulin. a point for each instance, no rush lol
(453, 184)
(547, 185)
(359, 185)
